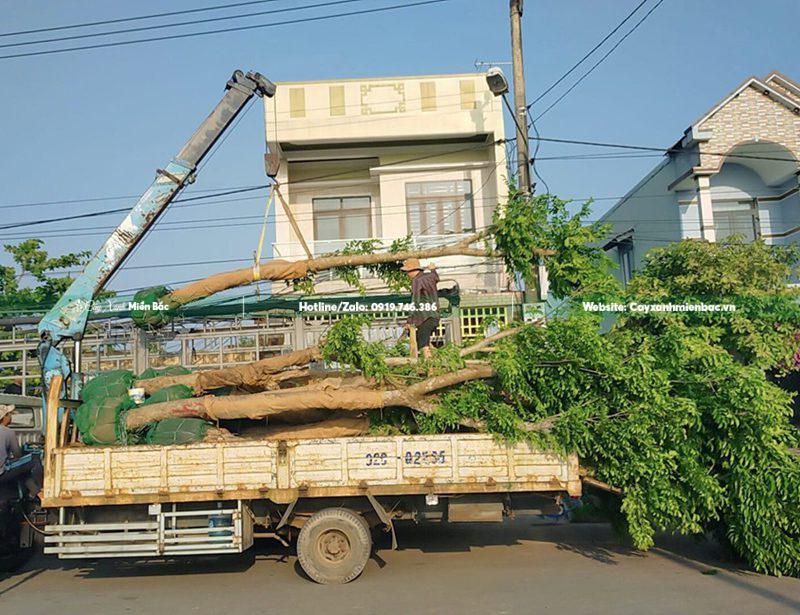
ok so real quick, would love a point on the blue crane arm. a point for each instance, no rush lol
(67, 319)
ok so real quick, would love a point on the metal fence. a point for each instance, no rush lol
(198, 345)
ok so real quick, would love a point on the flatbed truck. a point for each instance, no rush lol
(150, 501)
(210, 498)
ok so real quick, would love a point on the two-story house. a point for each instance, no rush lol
(733, 172)
(387, 158)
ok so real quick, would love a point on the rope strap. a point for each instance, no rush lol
(257, 255)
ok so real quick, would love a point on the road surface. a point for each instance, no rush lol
(516, 567)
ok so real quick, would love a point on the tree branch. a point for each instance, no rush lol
(277, 270)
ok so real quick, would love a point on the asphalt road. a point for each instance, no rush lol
(517, 567)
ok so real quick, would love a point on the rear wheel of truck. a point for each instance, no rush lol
(334, 546)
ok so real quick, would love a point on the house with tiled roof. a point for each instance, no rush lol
(733, 172)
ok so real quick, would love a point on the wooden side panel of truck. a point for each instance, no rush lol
(287, 470)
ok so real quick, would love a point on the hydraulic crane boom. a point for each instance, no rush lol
(67, 319)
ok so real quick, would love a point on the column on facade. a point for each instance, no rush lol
(704, 202)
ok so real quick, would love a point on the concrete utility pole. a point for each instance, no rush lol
(520, 101)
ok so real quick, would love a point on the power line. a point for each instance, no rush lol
(141, 17)
(601, 60)
(109, 198)
(105, 212)
(57, 39)
(235, 189)
(414, 159)
(669, 150)
(394, 7)
(176, 225)
(585, 57)
(249, 189)
(536, 152)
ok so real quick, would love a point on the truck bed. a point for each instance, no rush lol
(285, 470)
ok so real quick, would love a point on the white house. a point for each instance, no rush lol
(734, 172)
(389, 157)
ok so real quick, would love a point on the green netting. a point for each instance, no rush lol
(170, 393)
(99, 420)
(177, 431)
(114, 383)
(147, 313)
(173, 370)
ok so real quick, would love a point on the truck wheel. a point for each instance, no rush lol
(334, 546)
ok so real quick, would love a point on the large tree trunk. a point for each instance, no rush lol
(277, 270)
(333, 394)
(259, 375)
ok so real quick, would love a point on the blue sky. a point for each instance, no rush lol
(98, 123)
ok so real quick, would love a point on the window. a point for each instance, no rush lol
(625, 255)
(736, 219)
(439, 208)
(341, 218)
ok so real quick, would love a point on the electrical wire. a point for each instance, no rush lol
(586, 57)
(89, 24)
(112, 198)
(241, 190)
(394, 7)
(601, 60)
(669, 150)
(199, 221)
(199, 224)
(193, 22)
(509, 155)
(536, 152)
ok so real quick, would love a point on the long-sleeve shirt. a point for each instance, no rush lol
(423, 291)
(9, 446)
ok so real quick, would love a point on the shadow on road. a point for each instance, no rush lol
(594, 541)
(25, 576)
(194, 565)
(738, 578)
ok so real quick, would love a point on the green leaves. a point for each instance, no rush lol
(344, 344)
(30, 285)
(579, 268)
(395, 279)
(677, 409)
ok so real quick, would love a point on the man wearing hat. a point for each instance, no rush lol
(14, 465)
(425, 299)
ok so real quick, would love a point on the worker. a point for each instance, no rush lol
(15, 466)
(425, 303)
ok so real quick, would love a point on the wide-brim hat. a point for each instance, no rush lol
(5, 410)
(411, 264)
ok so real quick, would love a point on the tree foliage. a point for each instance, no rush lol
(30, 284)
(677, 409)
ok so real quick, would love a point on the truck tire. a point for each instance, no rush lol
(334, 546)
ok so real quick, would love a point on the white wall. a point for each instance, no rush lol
(651, 211)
